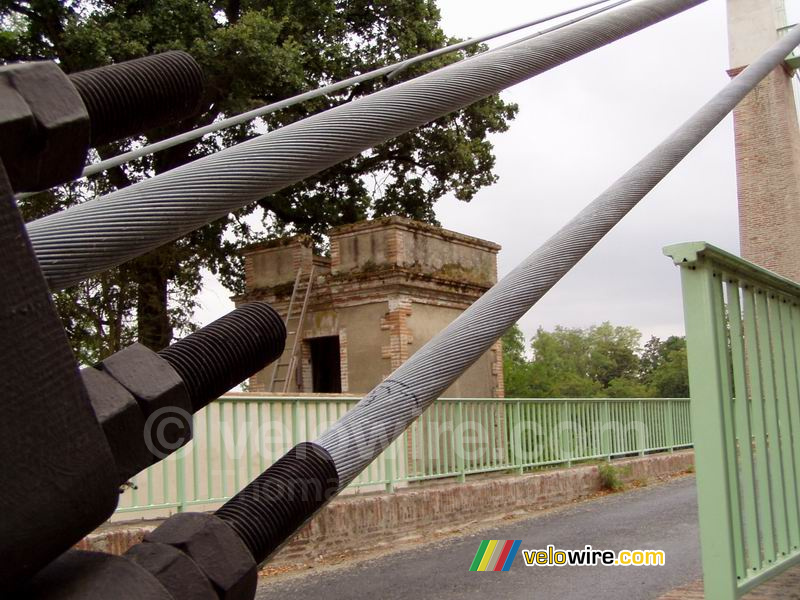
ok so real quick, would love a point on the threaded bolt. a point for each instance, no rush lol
(271, 508)
(226, 352)
(135, 96)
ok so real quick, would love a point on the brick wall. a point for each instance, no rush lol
(497, 370)
(415, 274)
(396, 323)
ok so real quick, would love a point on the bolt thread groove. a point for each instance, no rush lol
(275, 504)
(226, 352)
(135, 96)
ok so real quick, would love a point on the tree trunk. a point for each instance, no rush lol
(152, 278)
(153, 272)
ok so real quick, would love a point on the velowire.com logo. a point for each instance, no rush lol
(495, 555)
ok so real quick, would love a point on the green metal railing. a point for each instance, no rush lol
(743, 339)
(240, 435)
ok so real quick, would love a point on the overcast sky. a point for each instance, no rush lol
(580, 127)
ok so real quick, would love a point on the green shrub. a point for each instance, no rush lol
(610, 478)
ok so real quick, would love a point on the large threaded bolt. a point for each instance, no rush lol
(275, 504)
(135, 96)
(226, 352)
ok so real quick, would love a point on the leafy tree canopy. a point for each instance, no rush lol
(253, 53)
(599, 361)
(664, 367)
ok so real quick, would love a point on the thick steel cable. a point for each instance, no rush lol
(105, 232)
(390, 70)
(408, 62)
(366, 430)
(561, 25)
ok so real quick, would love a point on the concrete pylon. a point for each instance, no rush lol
(767, 144)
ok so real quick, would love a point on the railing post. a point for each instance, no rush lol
(180, 479)
(710, 392)
(670, 425)
(605, 435)
(459, 431)
(389, 470)
(640, 433)
(517, 435)
(563, 421)
(295, 422)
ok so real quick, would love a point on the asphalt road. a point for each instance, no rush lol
(656, 517)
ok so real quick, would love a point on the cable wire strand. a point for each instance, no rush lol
(369, 427)
(407, 63)
(390, 71)
(564, 24)
(107, 231)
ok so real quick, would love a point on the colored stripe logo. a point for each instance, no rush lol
(495, 555)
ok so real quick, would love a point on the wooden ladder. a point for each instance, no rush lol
(284, 368)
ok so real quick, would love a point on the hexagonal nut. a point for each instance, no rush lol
(48, 146)
(122, 421)
(215, 548)
(174, 569)
(161, 395)
(16, 121)
(84, 575)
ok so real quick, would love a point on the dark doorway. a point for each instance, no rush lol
(326, 371)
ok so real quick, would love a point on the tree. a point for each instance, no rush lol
(253, 52)
(613, 352)
(665, 368)
(655, 353)
(519, 378)
(584, 362)
(599, 361)
(627, 387)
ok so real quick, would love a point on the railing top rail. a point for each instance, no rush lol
(312, 398)
(698, 254)
(599, 399)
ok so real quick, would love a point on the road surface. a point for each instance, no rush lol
(662, 517)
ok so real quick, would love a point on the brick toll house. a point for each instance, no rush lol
(388, 287)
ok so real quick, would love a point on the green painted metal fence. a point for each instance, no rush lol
(743, 338)
(240, 435)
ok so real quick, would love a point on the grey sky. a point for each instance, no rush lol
(579, 128)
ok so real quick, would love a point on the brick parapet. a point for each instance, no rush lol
(361, 523)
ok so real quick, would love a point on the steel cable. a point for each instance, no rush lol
(389, 70)
(367, 429)
(107, 231)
